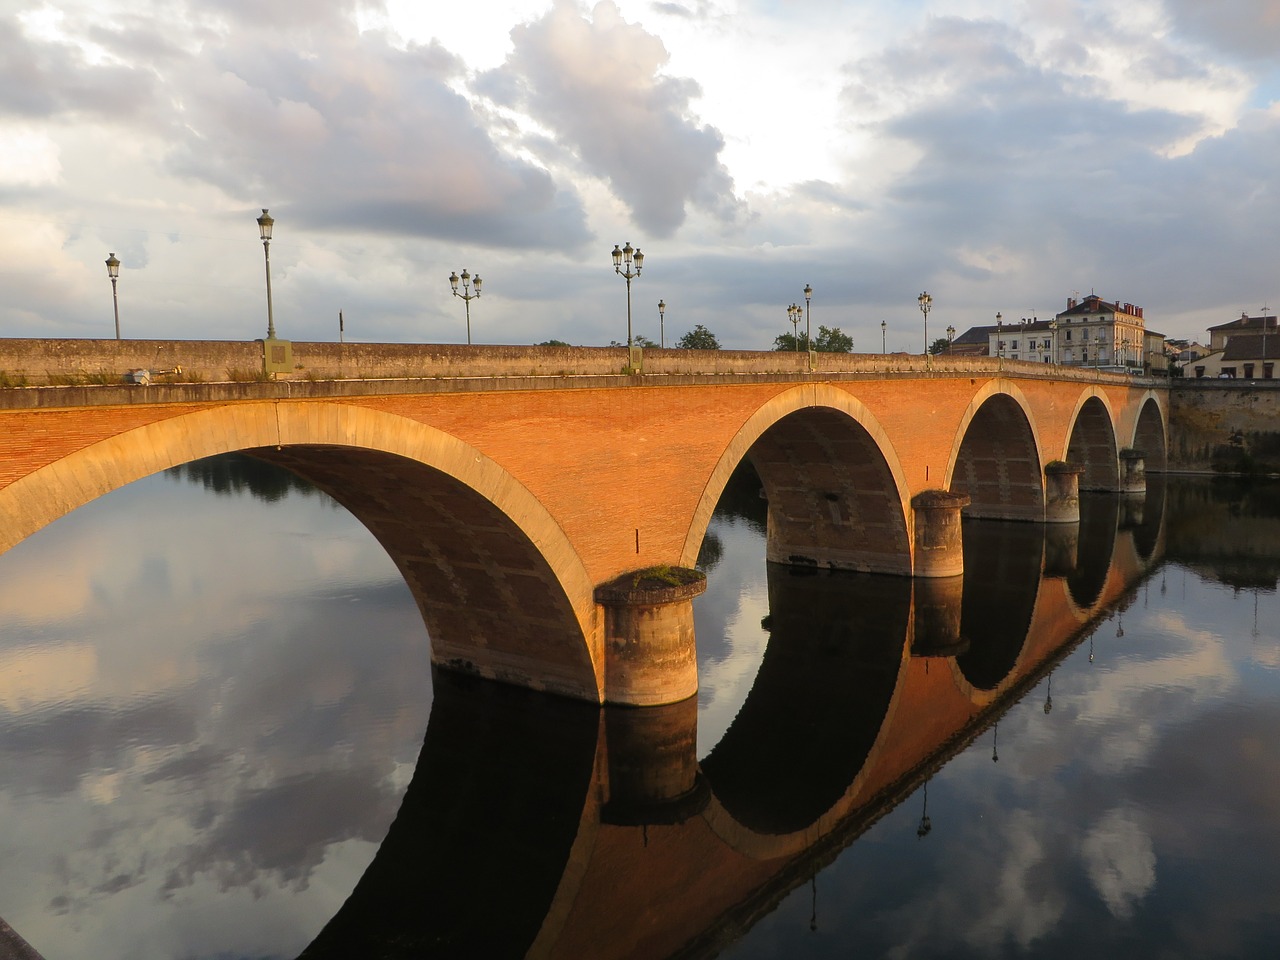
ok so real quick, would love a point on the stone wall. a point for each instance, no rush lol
(1224, 426)
(30, 362)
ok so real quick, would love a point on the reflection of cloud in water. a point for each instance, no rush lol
(730, 640)
(216, 734)
(36, 676)
(1026, 902)
(1120, 860)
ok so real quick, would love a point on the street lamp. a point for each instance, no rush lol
(113, 271)
(265, 223)
(1053, 340)
(662, 318)
(466, 294)
(627, 257)
(951, 335)
(883, 325)
(999, 335)
(808, 334)
(794, 313)
(926, 304)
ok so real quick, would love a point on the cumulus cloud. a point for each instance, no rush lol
(598, 84)
(341, 129)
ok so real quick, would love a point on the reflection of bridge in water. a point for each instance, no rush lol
(541, 827)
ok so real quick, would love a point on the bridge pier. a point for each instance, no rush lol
(653, 764)
(650, 656)
(939, 544)
(1061, 546)
(1133, 473)
(935, 610)
(1062, 492)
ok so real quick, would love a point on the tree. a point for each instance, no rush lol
(637, 340)
(831, 340)
(828, 340)
(941, 345)
(699, 338)
(551, 343)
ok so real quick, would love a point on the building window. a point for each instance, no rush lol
(1266, 371)
(1199, 371)
(1013, 344)
(1248, 371)
(1068, 334)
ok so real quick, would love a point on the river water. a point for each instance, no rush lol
(215, 689)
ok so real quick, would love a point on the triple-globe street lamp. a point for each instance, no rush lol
(113, 271)
(466, 294)
(794, 312)
(624, 259)
(662, 324)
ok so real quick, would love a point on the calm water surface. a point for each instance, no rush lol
(215, 689)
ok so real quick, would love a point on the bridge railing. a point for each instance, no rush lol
(67, 362)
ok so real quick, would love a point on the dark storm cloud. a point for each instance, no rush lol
(597, 84)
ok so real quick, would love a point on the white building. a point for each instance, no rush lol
(1093, 332)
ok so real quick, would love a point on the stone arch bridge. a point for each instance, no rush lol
(520, 508)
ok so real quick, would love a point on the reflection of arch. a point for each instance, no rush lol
(401, 478)
(826, 466)
(1092, 444)
(1002, 570)
(477, 853)
(1099, 517)
(1149, 435)
(819, 701)
(996, 458)
(1146, 535)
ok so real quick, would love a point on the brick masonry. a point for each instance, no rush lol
(579, 478)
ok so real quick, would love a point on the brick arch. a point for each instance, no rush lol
(825, 462)
(996, 456)
(1150, 433)
(1092, 441)
(539, 626)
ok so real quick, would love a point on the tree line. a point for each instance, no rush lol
(828, 340)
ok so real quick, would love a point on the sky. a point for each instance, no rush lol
(1003, 155)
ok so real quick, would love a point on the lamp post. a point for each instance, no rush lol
(808, 334)
(626, 258)
(662, 324)
(883, 325)
(926, 304)
(466, 294)
(1053, 340)
(951, 335)
(793, 314)
(999, 335)
(113, 271)
(265, 223)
